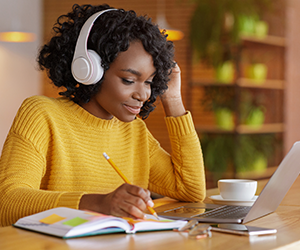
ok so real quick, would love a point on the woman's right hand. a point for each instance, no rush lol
(126, 201)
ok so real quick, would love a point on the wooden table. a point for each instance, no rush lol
(286, 219)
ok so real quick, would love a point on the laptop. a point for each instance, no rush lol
(266, 203)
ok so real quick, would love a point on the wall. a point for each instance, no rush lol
(292, 92)
(19, 77)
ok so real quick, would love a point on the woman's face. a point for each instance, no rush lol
(126, 85)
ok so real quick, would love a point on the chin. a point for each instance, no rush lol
(126, 119)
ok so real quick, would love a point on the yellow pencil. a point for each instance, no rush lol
(151, 210)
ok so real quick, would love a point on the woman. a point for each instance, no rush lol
(52, 156)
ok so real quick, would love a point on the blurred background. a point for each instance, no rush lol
(240, 78)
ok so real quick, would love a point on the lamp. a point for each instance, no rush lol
(173, 34)
(17, 36)
(17, 22)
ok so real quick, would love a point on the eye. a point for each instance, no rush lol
(127, 82)
(149, 82)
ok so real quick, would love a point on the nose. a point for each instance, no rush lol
(142, 92)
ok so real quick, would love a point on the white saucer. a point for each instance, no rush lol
(217, 199)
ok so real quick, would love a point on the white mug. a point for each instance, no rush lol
(237, 189)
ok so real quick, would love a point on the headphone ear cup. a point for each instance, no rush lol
(97, 69)
(86, 65)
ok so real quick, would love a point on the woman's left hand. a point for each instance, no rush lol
(171, 99)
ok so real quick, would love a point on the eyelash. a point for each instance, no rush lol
(131, 82)
(127, 81)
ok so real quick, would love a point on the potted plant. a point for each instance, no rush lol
(221, 100)
(217, 26)
(252, 109)
(227, 153)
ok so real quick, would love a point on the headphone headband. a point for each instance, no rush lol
(86, 65)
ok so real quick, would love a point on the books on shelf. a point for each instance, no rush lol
(69, 223)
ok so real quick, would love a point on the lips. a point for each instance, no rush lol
(133, 109)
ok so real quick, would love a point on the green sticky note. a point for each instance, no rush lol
(75, 222)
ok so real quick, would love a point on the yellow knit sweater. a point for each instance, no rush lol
(53, 155)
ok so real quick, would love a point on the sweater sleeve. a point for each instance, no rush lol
(181, 175)
(22, 167)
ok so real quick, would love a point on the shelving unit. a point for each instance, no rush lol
(273, 88)
(268, 40)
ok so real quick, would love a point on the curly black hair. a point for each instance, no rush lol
(111, 34)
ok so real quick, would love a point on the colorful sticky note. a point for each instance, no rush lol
(51, 219)
(95, 214)
(75, 222)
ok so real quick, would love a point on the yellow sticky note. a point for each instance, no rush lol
(51, 219)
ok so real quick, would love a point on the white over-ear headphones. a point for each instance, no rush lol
(86, 65)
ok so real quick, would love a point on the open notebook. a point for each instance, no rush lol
(267, 202)
(69, 223)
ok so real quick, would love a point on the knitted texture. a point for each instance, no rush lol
(53, 155)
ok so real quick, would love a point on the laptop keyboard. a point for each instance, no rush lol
(226, 212)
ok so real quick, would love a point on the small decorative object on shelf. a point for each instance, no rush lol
(225, 118)
(225, 72)
(253, 26)
(257, 72)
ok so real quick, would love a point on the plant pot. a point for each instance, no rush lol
(225, 72)
(247, 25)
(256, 118)
(257, 72)
(260, 164)
(224, 118)
(261, 29)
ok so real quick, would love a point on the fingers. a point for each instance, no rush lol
(129, 201)
(140, 198)
(176, 68)
(141, 193)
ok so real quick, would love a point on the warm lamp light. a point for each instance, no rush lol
(173, 34)
(17, 37)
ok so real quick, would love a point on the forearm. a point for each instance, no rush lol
(93, 202)
(17, 202)
(181, 178)
(21, 189)
(173, 106)
(181, 175)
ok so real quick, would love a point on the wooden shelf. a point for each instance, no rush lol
(209, 82)
(268, 40)
(244, 83)
(265, 128)
(267, 84)
(253, 175)
(243, 129)
(212, 129)
(257, 174)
